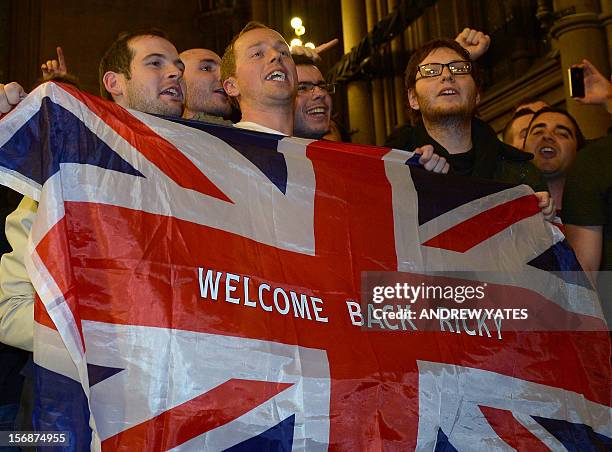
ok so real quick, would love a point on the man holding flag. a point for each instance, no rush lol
(140, 71)
(195, 284)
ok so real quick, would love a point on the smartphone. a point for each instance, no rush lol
(576, 81)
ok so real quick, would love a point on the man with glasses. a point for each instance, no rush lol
(443, 92)
(313, 102)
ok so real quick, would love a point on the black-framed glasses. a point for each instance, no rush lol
(307, 87)
(435, 69)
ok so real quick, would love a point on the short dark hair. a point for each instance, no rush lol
(228, 60)
(421, 53)
(118, 57)
(522, 112)
(526, 101)
(580, 141)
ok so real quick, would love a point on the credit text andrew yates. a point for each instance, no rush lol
(239, 289)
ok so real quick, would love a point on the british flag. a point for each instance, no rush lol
(197, 285)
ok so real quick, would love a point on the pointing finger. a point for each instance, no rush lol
(327, 45)
(60, 58)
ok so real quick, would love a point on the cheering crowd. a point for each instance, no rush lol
(281, 91)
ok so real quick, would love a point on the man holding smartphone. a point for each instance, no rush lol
(587, 200)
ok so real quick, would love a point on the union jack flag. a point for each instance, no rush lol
(196, 290)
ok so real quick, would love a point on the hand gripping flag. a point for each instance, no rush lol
(197, 289)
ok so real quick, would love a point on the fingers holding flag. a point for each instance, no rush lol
(432, 161)
(546, 205)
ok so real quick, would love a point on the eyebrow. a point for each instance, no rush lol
(257, 44)
(565, 128)
(450, 62)
(558, 126)
(208, 60)
(161, 55)
(153, 55)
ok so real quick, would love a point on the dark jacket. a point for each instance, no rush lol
(493, 159)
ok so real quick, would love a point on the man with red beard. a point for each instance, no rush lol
(443, 93)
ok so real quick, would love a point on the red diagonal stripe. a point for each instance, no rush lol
(511, 431)
(155, 148)
(485, 225)
(210, 410)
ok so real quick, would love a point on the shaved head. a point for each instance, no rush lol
(202, 75)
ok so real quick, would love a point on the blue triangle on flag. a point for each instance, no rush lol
(261, 149)
(44, 130)
(443, 444)
(441, 193)
(561, 261)
(575, 437)
(100, 373)
(276, 439)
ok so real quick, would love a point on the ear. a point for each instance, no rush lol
(113, 83)
(231, 87)
(412, 100)
(477, 98)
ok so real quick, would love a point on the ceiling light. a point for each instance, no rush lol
(296, 22)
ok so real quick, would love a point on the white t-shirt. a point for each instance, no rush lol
(257, 127)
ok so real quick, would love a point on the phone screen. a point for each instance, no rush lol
(576, 81)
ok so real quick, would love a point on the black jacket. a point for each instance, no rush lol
(493, 159)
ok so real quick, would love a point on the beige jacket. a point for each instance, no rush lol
(16, 290)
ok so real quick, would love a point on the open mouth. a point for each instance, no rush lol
(277, 76)
(448, 92)
(547, 152)
(173, 92)
(317, 112)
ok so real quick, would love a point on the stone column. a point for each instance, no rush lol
(387, 79)
(378, 99)
(358, 93)
(580, 35)
(397, 50)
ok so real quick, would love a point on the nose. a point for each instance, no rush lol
(548, 136)
(175, 72)
(318, 92)
(447, 74)
(274, 55)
